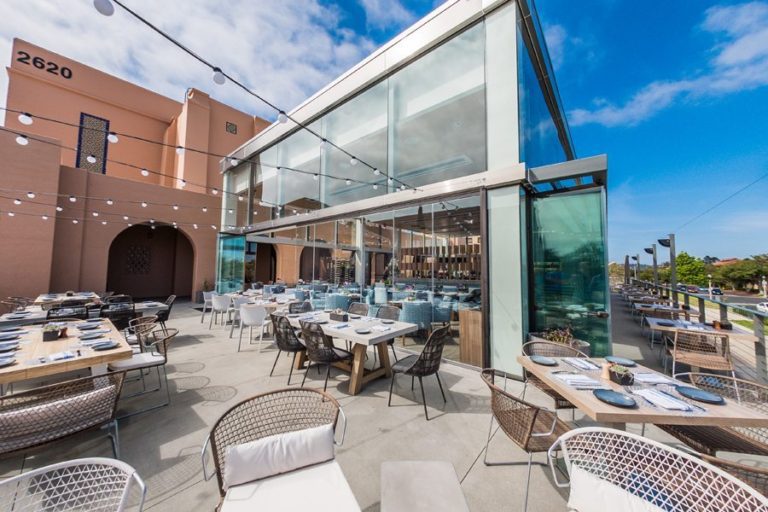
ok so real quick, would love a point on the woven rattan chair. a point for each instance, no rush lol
(530, 427)
(422, 365)
(700, 349)
(358, 308)
(710, 440)
(153, 355)
(548, 349)
(139, 326)
(296, 308)
(95, 485)
(615, 465)
(48, 413)
(268, 414)
(164, 314)
(755, 477)
(388, 313)
(320, 350)
(286, 340)
(119, 313)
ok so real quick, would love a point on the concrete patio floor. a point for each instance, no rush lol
(207, 376)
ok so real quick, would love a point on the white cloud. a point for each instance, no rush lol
(283, 50)
(740, 63)
(381, 14)
(556, 37)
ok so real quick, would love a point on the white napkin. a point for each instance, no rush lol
(578, 381)
(59, 356)
(340, 326)
(663, 400)
(98, 341)
(652, 378)
(381, 328)
(580, 363)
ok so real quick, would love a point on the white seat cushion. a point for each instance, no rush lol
(590, 493)
(141, 360)
(319, 488)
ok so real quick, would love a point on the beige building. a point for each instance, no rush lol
(88, 244)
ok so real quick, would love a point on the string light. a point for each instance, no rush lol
(194, 226)
(233, 162)
(72, 199)
(90, 159)
(104, 7)
(44, 217)
(31, 195)
(315, 177)
(11, 214)
(17, 202)
(375, 187)
(183, 183)
(144, 173)
(218, 76)
(59, 209)
(125, 217)
(376, 172)
(282, 118)
(103, 223)
(175, 207)
(110, 202)
(95, 214)
(25, 118)
(143, 204)
(74, 221)
(348, 182)
(215, 191)
(390, 181)
(353, 161)
(179, 150)
(112, 137)
(213, 226)
(22, 140)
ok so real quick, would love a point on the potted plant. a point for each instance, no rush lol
(621, 375)
(563, 336)
(51, 332)
(339, 315)
(207, 287)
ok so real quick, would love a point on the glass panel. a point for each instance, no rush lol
(266, 187)
(230, 266)
(360, 127)
(439, 112)
(569, 268)
(299, 191)
(539, 142)
(235, 200)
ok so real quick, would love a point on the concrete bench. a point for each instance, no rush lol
(421, 486)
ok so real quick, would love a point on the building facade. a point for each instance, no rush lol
(142, 216)
(451, 189)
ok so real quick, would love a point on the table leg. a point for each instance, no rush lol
(358, 368)
(384, 358)
(300, 360)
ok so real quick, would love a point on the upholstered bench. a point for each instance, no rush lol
(419, 486)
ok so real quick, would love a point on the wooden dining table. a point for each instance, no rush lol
(58, 298)
(378, 336)
(36, 314)
(36, 358)
(731, 414)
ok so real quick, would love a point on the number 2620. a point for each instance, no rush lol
(40, 63)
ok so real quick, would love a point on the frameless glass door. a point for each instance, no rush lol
(230, 267)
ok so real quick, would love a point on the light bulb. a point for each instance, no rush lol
(278, 169)
(230, 211)
(130, 224)
(104, 7)
(375, 187)
(348, 182)
(376, 172)
(143, 204)
(44, 217)
(315, 177)
(59, 209)
(95, 214)
(215, 191)
(179, 150)
(282, 118)
(183, 183)
(323, 144)
(205, 209)
(151, 221)
(402, 187)
(17, 202)
(240, 198)
(390, 181)
(218, 76)
(90, 159)
(213, 227)
(103, 223)
(233, 162)
(110, 202)
(72, 199)
(22, 140)
(175, 207)
(31, 195)
(353, 161)
(74, 221)
(25, 118)
(11, 214)
(125, 217)
(144, 172)
(112, 137)
(153, 227)
(194, 226)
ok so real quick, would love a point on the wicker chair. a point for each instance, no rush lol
(425, 364)
(138, 327)
(94, 484)
(612, 465)
(119, 313)
(388, 313)
(154, 355)
(548, 349)
(530, 427)
(48, 413)
(286, 340)
(358, 308)
(296, 308)
(268, 414)
(755, 477)
(710, 440)
(164, 314)
(320, 350)
(700, 349)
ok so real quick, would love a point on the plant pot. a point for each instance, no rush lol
(622, 379)
(50, 335)
(336, 317)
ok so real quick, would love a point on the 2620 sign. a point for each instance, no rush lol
(41, 63)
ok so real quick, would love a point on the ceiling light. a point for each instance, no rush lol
(213, 227)
(25, 118)
(323, 145)
(104, 7)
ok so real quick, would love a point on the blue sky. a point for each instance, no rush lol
(676, 93)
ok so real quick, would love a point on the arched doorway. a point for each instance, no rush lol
(146, 262)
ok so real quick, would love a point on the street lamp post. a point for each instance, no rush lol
(652, 251)
(709, 277)
(637, 263)
(670, 242)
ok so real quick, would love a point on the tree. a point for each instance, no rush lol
(690, 270)
(740, 274)
(709, 260)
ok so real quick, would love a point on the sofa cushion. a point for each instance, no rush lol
(319, 488)
(277, 454)
(590, 493)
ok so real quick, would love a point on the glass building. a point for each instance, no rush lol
(449, 187)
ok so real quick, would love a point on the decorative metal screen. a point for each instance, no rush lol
(139, 260)
(92, 142)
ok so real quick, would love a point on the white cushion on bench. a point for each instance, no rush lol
(319, 488)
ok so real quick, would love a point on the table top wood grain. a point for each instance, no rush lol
(375, 337)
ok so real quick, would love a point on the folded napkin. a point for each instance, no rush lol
(94, 331)
(578, 381)
(581, 363)
(340, 326)
(663, 400)
(381, 328)
(60, 356)
(652, 378)
(89, 343)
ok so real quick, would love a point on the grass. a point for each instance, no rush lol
(748, 323)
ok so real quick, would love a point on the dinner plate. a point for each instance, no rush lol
(8, 346)
(9, 336)
(700, 395)
(15, 328)
(666, 323)
(321, 322)
(87, 327)
(544, 360)
(363, 330)
(621, 360)
(7, 361)
(15, 316)
(327, 311)
(354, 317)
(387, 321)
(612, 397)
(107, 345)
(91, 336)
(94, 320)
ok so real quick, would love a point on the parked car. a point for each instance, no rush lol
(716, 291)
(763, 307)
(692, 289)
(682, 288)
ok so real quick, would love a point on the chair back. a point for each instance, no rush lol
(653, 472)
(319, 346)
(55, 313)
(428, 361)
(94, 484)
(221, 302)
(160, 339)
(712, 348)
(43, 414)
(379, 295)
(208, 296)
(754, 476)
(119, 314)
(269, 414)
(295, 308)
(417, 312)
(516, 417)
(665, 314)
(550, 349)
(337, 301)
(388, 313)
(119, 299)
(358, 308)
(239, 300)
(285, 336)
(141, 325)
(252, 314)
